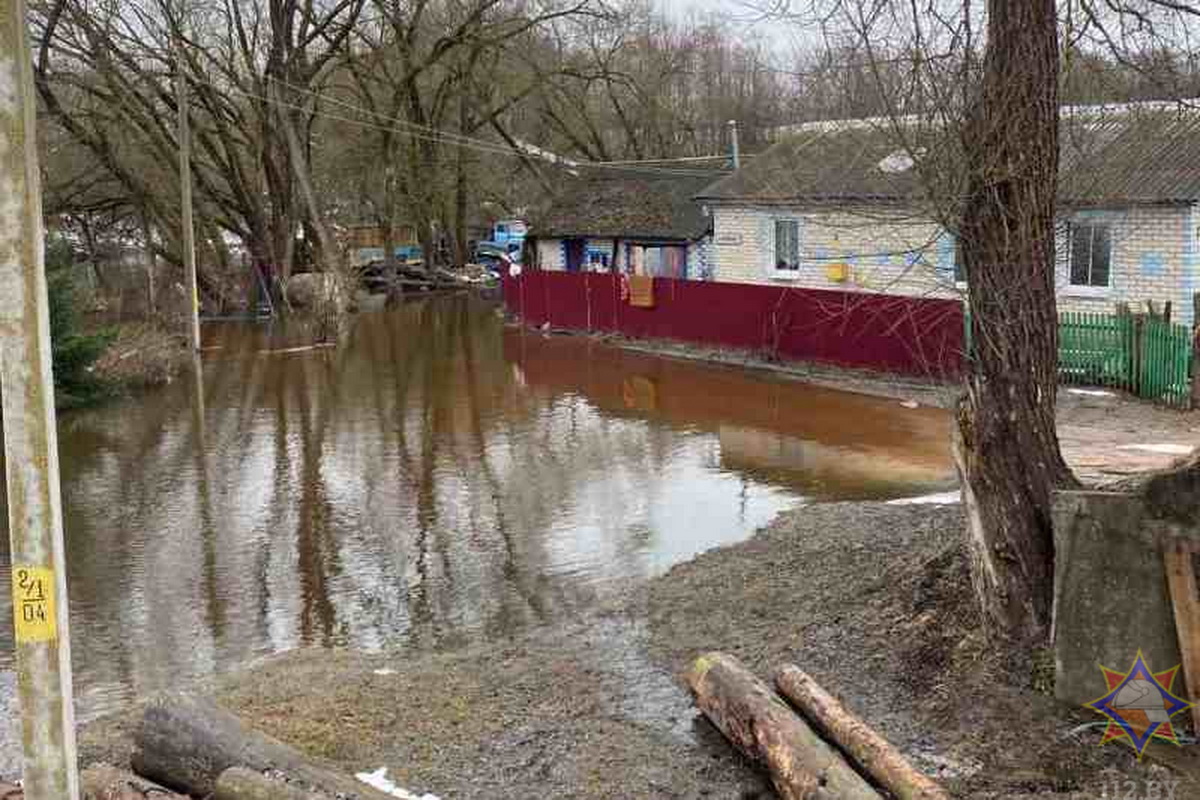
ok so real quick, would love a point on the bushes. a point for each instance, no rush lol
(74, 351)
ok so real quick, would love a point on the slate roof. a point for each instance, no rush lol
(647, 202)
(1122, 157)
(1137, 158)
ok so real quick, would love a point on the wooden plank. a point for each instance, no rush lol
(1181, 580)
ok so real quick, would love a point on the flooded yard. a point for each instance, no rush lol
(439, 479)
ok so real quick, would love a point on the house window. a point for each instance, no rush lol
(1091, 254)
(960, 266)
(598, 261)
(787, 244)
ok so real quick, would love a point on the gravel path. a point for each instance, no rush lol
(10, 746)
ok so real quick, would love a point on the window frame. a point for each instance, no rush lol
(1094, 225)
(793, 271)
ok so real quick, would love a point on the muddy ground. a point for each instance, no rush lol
(872, 599)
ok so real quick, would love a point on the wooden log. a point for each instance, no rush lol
(103, 782)
(239, 783)
(765, 729)
(855, 738)
(185, 743)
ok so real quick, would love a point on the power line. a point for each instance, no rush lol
(405, 128)
(455, 138)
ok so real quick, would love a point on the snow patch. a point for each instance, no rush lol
(1091, 392)
(937, 499)
(379, 780)
(1165, 448)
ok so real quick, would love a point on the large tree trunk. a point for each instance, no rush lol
(151, 262)
(324, 251)
(1006, 448)
(461, 184)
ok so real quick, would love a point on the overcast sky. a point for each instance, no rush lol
(742, 14)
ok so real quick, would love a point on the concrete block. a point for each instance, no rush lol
(1110, 590)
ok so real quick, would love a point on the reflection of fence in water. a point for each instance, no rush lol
(698, 396)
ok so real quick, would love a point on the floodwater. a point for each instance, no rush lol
(438, 479)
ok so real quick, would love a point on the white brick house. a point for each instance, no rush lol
(831, 207)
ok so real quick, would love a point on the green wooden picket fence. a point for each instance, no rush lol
(1141, 354)
(1144, 355)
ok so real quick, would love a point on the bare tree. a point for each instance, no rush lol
(1007, 448)
(104, 74)
(982, 123)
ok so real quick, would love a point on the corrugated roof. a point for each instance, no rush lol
(1132, 156)
(646, 202)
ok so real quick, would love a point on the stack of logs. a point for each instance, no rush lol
(188, 747)
(796, 748)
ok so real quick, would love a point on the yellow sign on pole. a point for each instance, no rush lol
(33, 604)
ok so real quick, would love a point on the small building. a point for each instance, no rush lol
(640, 220)
(364, 243)
(842, 206)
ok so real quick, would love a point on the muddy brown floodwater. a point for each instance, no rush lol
(439, 479)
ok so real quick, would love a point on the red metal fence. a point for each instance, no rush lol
(910, 335)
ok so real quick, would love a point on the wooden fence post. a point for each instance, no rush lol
(1139, 354)
(1195, 350)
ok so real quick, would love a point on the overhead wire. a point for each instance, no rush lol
(429, 133)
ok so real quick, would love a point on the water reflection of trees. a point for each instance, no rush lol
(433, 479)
(402, 488)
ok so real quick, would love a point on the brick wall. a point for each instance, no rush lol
(1155, 255)
(885, 250)
(1153, 258)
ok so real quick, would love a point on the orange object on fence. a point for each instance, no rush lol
(641, 291)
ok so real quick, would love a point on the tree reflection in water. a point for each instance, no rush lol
(438, 478)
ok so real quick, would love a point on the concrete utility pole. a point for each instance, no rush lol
(185, 187)
(733, 140)
(30, 440)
